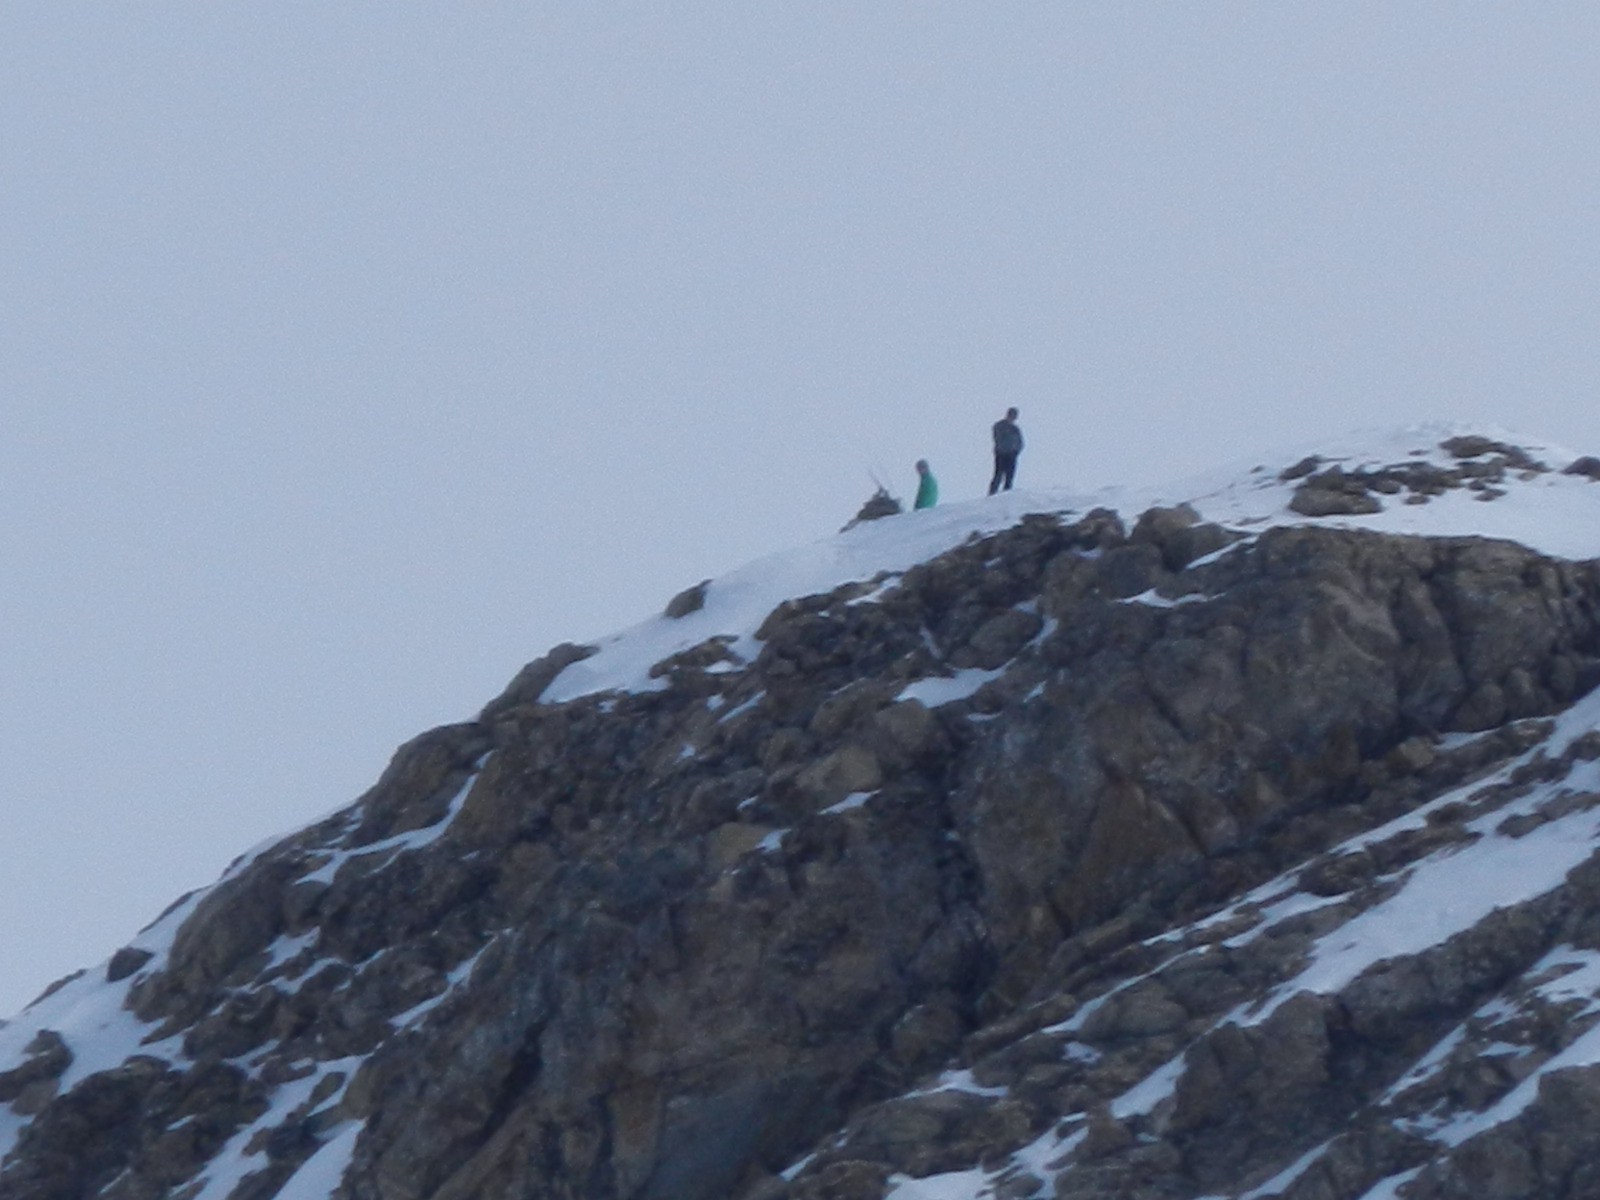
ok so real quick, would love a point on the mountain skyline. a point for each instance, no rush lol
(1235, 843)
(350, 358)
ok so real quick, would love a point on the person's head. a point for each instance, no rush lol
(1011, 414)
(922, 466)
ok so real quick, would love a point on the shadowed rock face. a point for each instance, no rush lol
(667, 944)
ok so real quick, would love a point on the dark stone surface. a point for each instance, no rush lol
(654, 956)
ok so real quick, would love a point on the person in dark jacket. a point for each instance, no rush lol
(927, 486)
(1007, 445)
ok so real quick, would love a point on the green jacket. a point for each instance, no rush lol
(927, 491)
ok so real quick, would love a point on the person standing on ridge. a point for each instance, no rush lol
(927, 486)
(1007, 445)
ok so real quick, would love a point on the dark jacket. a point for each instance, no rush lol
(1007, 437)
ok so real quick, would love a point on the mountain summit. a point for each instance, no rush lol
(1239, 840)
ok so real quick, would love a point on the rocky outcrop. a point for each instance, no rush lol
(876, 506)
(533, 679)
(690, 600)
(981, 869)
(1481, 467)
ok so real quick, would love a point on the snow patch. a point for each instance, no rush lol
(414, 839)
(853, 800)
(1389, 1189)
(233, 1162)
(960, 1081)
(955, 1185)
(1154, 599)
(320, 1174)
(1156, 1087)
(1446, 893)
(938, 690)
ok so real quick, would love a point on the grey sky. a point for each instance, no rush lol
(350, 355)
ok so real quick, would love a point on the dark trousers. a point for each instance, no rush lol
(1005, 471)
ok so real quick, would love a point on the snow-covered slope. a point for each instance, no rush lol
(1513, 843)
(1555, 513)
(1011, 928)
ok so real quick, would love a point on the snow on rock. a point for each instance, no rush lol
(1436, 898)
(317, 1177)
(1125, 1054)
(1555, 513)
(737, 604)
(935, 691)
(90, 1016)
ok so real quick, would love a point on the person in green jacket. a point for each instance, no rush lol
(927, 486)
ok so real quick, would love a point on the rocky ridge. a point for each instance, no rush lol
(1242, 849)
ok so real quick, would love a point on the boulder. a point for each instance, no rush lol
(1080, 903)
(877, 506)
(1333, 493)
(1588, 466)
(1300, 469)
(46, 1057)
(530, 682)
(125, 962)
(847, 771)
(691, 599)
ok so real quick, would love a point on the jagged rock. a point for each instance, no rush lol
(717, 800)
(1485, 708)
(998, 640)
(530, 682)
(729, 843)
(234, 925)
(1158, 524)
(939, 1131)
(925, 1035)
(47, 1057)
(681, 667)
(125, 962)
(1412, 755)
(905, 733)
(1300, 469)
(848, 771)
(851, 1180)
(33, 1098)
(620, 948)
(1104, 1135)
(91, 1135)
(1476, 446)
(1100, 528)
(1588, 466)
(1333, 493)
(1470, 446)
(1180, 535)
(1137, 1012)
(421, 779)
(1129, 570)
(850, 708)
(877, 506)
(691, 599)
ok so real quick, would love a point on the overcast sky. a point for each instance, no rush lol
(351, 355)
